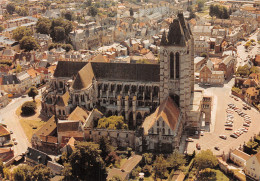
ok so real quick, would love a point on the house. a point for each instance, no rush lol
(252, 168)
(25, 80)
(34, 157)
(34, 75)
(209, 76)
(256, 61)
(11, 84)
(56, 169)
(6, 154)
(3, 98)
(69, 147)
(5, 135)
(252, 95)
(69, 128)
(45, 139)
(8, 54)
(126, 169)
(239, 157)
(178, 176)
(199, 62)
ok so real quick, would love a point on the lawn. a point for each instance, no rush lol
(221, 176)
(28, 126)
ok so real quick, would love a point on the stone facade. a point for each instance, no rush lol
(141, 93)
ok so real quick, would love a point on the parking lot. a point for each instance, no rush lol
(211, 139)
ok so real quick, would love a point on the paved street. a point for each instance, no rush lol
(242, 54)
(211, 139)
(13, 123)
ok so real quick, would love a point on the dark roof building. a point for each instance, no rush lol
(35, 157)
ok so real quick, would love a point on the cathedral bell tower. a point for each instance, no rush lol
(177, 63)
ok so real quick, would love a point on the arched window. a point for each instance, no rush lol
(158, 123)
(152, 130)
(171, 65)
(177, 60)
(59, 112)
(163, 131)
(163, 123)
(169, 132)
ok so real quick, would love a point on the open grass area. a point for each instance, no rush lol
(221, 176)
(28, 126)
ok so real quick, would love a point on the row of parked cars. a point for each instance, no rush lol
(247, 120)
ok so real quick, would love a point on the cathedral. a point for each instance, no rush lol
(157, 101)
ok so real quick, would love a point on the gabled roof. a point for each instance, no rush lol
(68, 125)
(78, 115)
(99, 58)
(37, 156)
(63, 100)
(84, 78)
(131, 163)
(48, 128)
(116, 72)
(168, 111)
(241, 154)
(10, 79)
(68, 68)
(3, 131)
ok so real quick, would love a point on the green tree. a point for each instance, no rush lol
(18, 68)
(115, 178)
(105, 147)
(41, 173)
(93, 11)
(22, 172)
(43, 26)
(112, 158)
(207, 174)
(1, 28)
(112, 122)
(131, 12)
(21, 32)
(205, 159)
(33, 92)
(254, 69)
(68, 15)
(211, 10)
(225, 14)
(28, 43)
(28, 108)
(243, 71)
(1, 167)
(86, 162)
(160, 167)
(176, 160)
(200, 5)
(59, 33)
(21, 11)
(88, 3)
(67, 171)
(10, 8)
(148, 158)
(147, 170)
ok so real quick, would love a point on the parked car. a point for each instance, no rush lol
(247, 125)
(11, 132)
(227, 128)
(198, 146)
(15, 143)
(233, 136)
(201, 133)
(217, 148)
(223, 137)
(230, 125)
(189, 140)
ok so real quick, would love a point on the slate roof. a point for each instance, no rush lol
(55, 167)
(116, 72)
(10, 79)
(126, 72)
(37, 156)
(68, 68)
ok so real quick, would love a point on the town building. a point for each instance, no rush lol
(135, 91)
